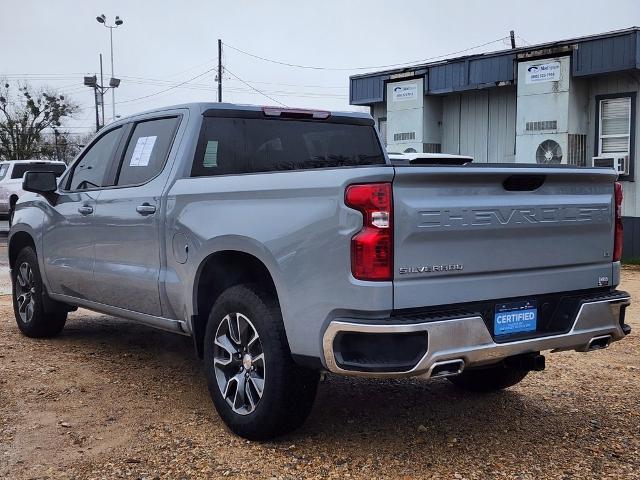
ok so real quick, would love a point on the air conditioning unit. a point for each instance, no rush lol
(620, 163)
(550, 126)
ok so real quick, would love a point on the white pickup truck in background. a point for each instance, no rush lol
(11, 173)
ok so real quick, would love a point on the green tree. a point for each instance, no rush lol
(25, 118)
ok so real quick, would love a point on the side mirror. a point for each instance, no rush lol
(40, 182)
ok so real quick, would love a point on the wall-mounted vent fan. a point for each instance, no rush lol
(549, 152)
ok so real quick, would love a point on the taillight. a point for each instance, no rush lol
(372, 247)
(295, 113)
(617, 239)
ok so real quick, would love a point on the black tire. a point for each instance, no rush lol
(288, 390)
(32, 320)
(489, 379)
(12, 209)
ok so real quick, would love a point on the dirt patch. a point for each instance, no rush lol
(112, 399)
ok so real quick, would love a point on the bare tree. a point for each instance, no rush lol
(64, 145)
(26, 116)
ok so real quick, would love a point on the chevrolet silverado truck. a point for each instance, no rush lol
(286, 244)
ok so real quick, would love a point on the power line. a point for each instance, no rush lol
(311, 67)
(168, 82)
(523, 40)
(205, 87)
(166, 89)
(254, 88)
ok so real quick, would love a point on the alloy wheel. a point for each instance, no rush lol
(239, 363)
(25, 292)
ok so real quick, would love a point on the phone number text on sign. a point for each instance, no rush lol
(545, 72)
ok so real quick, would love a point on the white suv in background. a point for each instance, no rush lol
(11, 173)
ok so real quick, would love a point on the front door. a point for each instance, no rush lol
(68, 232)
(128, 221)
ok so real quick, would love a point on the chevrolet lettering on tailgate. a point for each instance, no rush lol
(464, 217)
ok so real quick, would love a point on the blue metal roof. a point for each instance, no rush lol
(608, 54)
(593, 55)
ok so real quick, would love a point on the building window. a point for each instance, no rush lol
(616, 128)
(615, 125)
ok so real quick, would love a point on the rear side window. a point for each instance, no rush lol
(147, 151)
(3, 170)
(89, 172)
(19, 169)
(240, 145)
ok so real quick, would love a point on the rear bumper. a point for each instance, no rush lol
(598, 322)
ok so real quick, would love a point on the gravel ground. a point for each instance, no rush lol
(111, 399)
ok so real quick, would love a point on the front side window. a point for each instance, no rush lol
(147, 151)
(89, 172)
(615, 126)
(241, 145)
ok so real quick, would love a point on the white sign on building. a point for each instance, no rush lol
(403, 93)
(544, 72)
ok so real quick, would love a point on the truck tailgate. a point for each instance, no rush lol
(475, 233)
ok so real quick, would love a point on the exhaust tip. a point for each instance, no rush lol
(448, 368)
(599, 343)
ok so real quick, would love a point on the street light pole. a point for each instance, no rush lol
(102, 89)
(113, 90)
(114, 82)
(219, 70)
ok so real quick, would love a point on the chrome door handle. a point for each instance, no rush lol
(146, 209)
(85, 210)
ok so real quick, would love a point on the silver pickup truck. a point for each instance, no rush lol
(286, 243)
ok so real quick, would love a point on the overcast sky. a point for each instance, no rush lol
(163, 43)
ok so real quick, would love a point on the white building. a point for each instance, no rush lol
(563, 102)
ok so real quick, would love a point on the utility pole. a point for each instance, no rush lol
(219, 70)
(93, 83)
(55, 134)
(512, 35)
(95, 96)
(98, 92)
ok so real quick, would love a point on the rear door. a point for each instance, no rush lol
(68, 232)
(479, 233)
(128, 220)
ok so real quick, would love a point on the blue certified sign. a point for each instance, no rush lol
(515, 318)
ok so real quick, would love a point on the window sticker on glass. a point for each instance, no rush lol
(142, 152)
(211, 154)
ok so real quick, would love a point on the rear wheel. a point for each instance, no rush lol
(489, 379)
(28, 299)
(256, 387)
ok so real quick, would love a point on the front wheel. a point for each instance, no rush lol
(255, 385)
(28, 299)
(489, 379)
